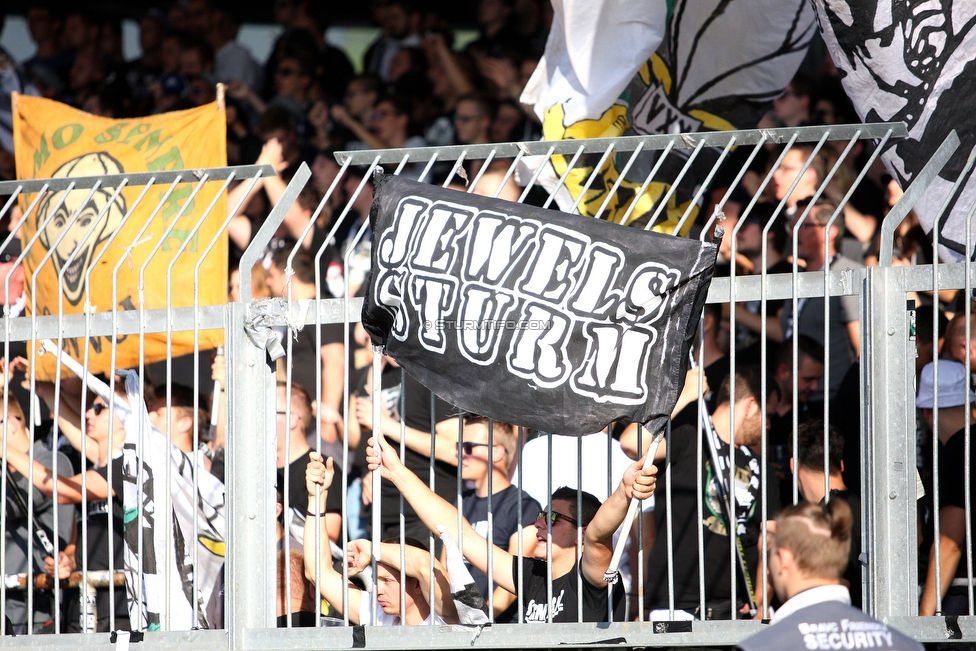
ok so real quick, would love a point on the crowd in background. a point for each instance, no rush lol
(415, 89)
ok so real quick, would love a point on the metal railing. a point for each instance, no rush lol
(255, 412)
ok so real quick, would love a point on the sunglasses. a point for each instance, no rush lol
(469, 447)
(554, 517)
(98, 408)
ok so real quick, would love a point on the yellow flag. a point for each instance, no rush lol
(55, 140)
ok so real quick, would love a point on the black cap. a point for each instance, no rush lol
(11, 251)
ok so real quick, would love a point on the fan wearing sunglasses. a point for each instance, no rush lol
(570, 568)
(99, 433)
(486, 453)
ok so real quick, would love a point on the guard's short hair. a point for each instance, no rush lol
(747, 385)
(590, 503)
(819, 536)
(810, 438)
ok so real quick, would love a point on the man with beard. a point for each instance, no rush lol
(746, 418)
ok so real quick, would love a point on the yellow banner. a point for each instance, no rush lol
(55, 140)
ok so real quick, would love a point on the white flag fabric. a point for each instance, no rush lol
(144, 463)
(657, 68)
(916, 63)
(470, 603)
(594, 49)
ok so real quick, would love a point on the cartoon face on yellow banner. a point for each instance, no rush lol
(78, 239)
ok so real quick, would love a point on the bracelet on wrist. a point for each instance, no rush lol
(310, 514)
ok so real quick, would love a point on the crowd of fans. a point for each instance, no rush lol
(416, 89)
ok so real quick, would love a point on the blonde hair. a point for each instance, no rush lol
(301, 402)
(503, 434)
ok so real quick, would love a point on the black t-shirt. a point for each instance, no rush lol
(98, 549)
(952, 477)
(418, 416)
(306, 357)
(853, 572)
(297, 492)
(565, 595)
(504, 509)
(684, 474)
(390, 379)
(330, 262)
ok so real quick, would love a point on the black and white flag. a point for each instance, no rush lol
(530, 316)
(914, 62)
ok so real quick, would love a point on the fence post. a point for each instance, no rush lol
(889, 506)
(250, 472)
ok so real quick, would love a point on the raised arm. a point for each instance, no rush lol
(69, 488)
(435, 510)
(445, 433)
(598, 541)
(416, 565)
(69, 409)
(319, 474)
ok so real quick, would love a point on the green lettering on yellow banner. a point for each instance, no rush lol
(180, 235)
(175, 202)
(171, 160)
(60, 140)
(151, 142)
(137, 130)
(41, 155)
(111, 133)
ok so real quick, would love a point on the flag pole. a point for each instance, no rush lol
(731, 523)
(377, 475)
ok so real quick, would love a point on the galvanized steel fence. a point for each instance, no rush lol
(252, 404)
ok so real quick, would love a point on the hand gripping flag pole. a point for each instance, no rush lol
(613, 572)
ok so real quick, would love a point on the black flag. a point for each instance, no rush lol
(529, 316)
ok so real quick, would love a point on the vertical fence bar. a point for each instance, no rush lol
(250, 565)
(890, 401)
(250, 454)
